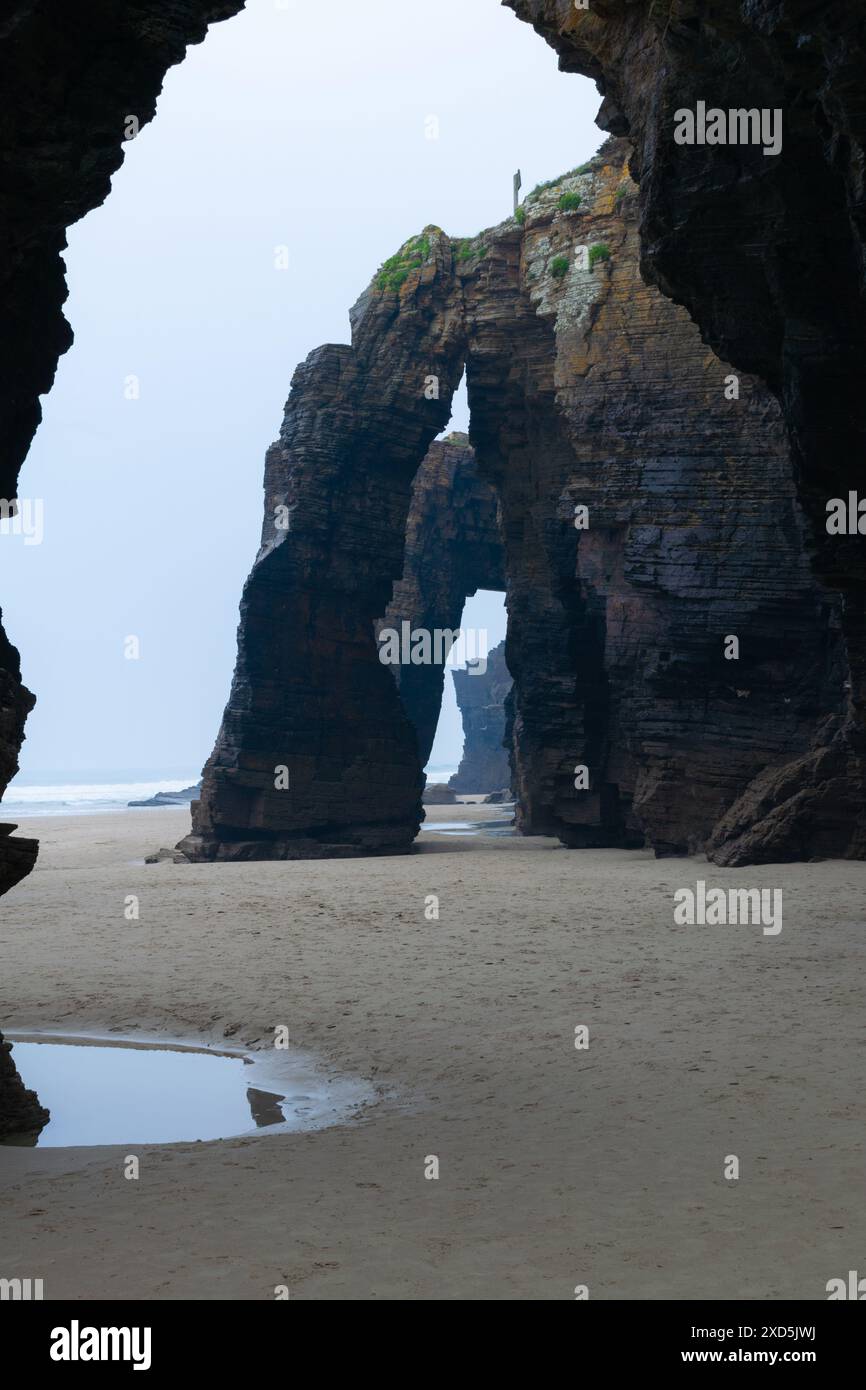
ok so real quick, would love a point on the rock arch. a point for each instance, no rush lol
(586, 389)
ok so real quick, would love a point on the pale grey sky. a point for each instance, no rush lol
(301, 126)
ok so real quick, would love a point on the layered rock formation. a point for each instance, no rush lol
(671, 651)
(691, 535)
(453, 549)
(20, 1111)
(767, 254)
(585, 392)
(316, 755)
(484, 766)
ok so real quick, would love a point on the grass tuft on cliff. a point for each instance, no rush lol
(559, 267)
(396, 270)
(467, 248)
(554, 183)
(569, 202)
(599, 252)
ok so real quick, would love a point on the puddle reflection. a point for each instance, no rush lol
(122, 1092)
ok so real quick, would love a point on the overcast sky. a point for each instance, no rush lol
(292, 124)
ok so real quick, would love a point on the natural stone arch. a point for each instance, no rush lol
(453, 549)
(649, 61)
(309, 694)
(587, 390)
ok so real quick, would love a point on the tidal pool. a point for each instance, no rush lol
(115, 1091)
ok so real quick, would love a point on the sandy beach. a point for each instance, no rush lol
(558, 1167)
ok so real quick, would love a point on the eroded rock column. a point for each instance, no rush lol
(316, 755)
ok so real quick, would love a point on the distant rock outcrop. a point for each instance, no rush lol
(180, 798)
(484, 766)
(438, 794)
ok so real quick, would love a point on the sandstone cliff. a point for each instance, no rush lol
(767, 257)
(650, 525)
(767, 254)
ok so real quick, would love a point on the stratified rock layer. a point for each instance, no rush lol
(614, 632)
(617, 632)
(767, 253)
(665, 630)
(484, 766)
(316, 755)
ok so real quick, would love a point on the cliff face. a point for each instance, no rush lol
(484, 766)
(767, 254)
(70, 76)
(17, 854)
(588, 390)
(665, 631)
(618, 627)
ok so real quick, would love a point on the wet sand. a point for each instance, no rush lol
(557, 1167)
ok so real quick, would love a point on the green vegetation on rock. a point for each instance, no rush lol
(411, 256)
(599, 252)
(467, 248)
(554, 183)
(569, 202)
(559, 267)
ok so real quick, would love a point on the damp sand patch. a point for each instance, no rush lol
(129, 1091)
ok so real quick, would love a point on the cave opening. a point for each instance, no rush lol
(219, 258)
